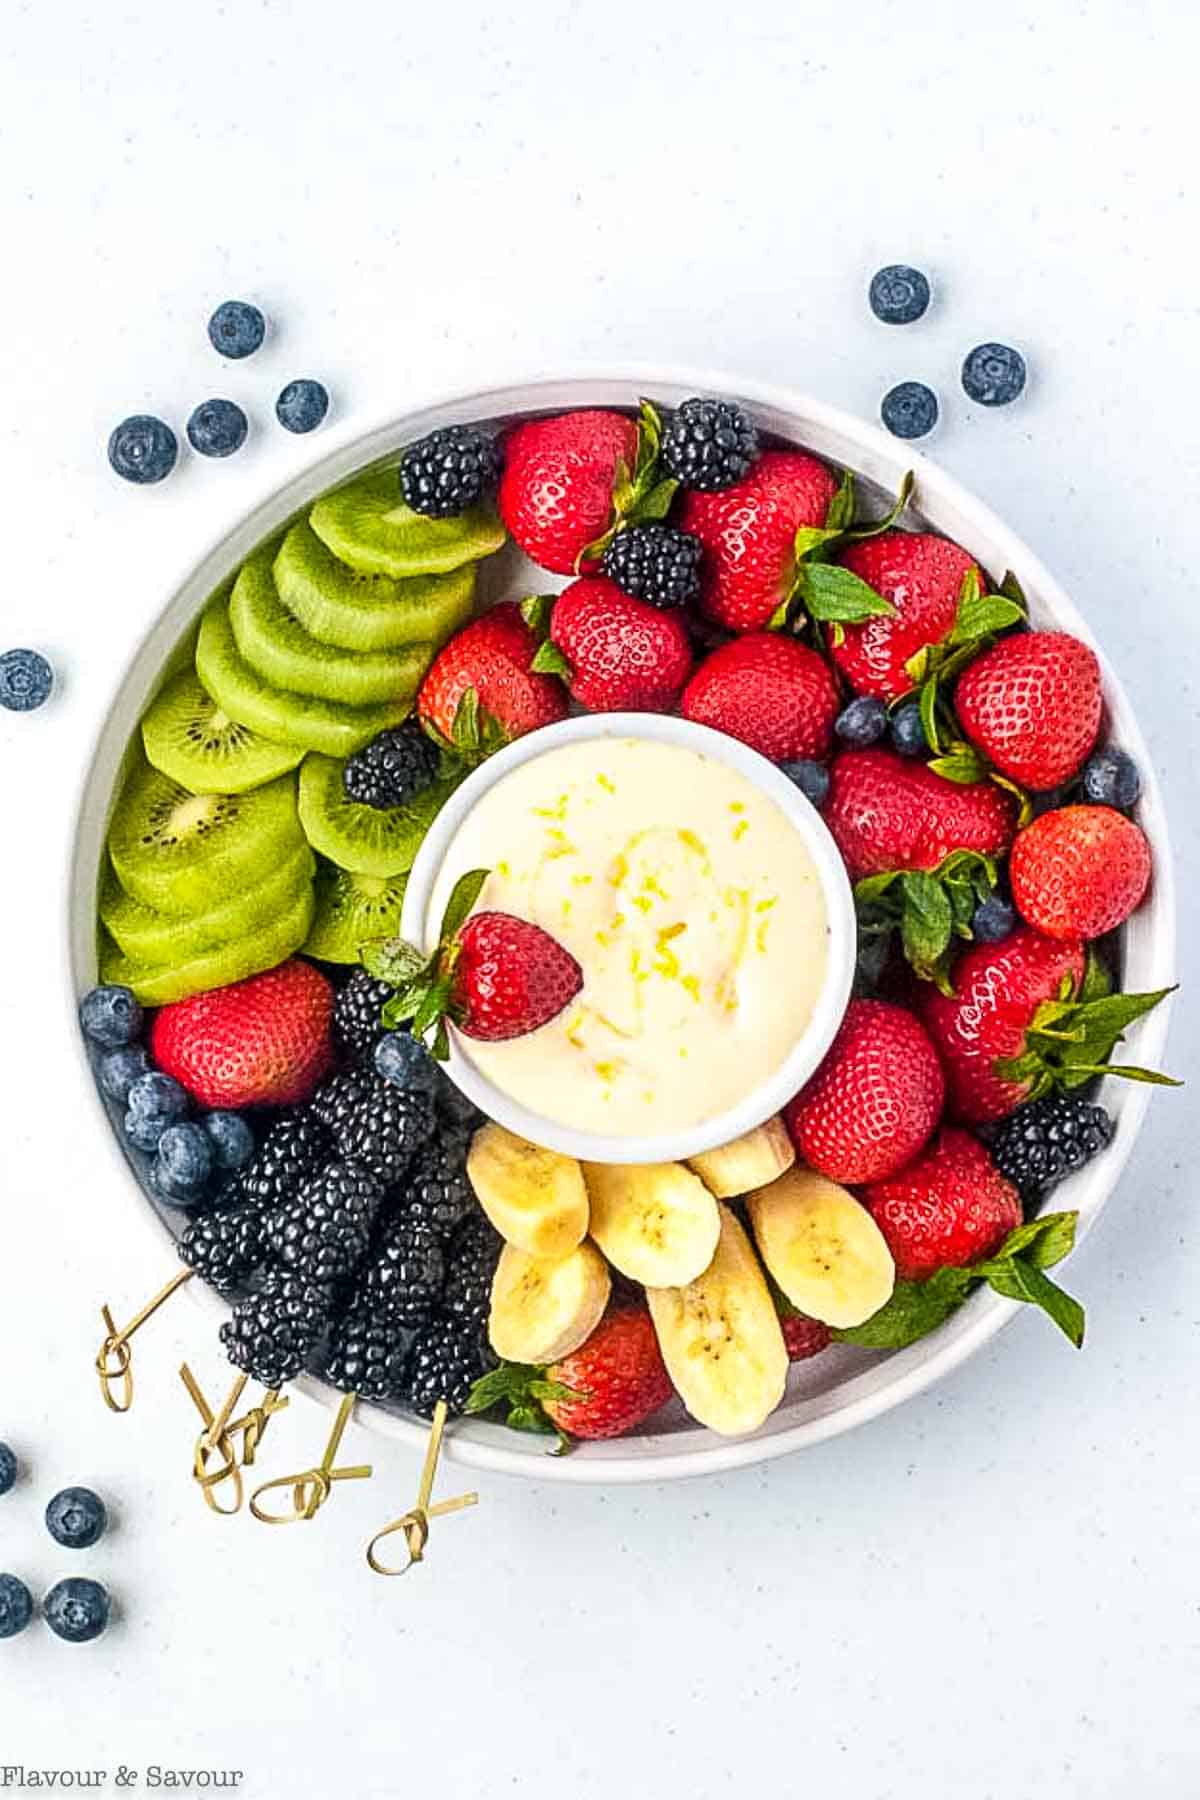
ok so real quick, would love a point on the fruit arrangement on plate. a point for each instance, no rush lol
(272, 1047)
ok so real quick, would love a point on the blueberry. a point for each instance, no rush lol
(120, 1069)
(1111, 778)
(16, 1605)
(26, 679)
(993, 920)
(898, 294)
(236, 329)
(8, 1468)
(142, 449)
(909, 410)
(110, 1016)
(76, 1610)
(812, 778)
(184, 1162)
(156, 1096)
(230, 1139)
(907, 731)
(400, 1059)
(302, 405)
(993, 374)
(862, 722)
(76, 1518)
(144, 1129)
(217, 428)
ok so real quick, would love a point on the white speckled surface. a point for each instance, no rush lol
(986, 1595)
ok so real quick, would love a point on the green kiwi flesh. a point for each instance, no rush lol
(157, 984)
(367, 525)
(351, 911)
(366, 840)
(367, 612)
(148, 936)
(189, 738)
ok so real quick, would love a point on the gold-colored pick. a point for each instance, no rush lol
(114, 1359)
(252, 1425)
(311, 1488)
(414, 1525)
(216, 1440)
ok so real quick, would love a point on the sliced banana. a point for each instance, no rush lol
(656, 1222)
(749, 1162)
(721, 1339)
(823, 1247)
(535, 1198)
(544, 1307)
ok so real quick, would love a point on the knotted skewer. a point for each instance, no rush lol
(114, 1359)
(414, 1524)
(311, 1488)
(222, 1434)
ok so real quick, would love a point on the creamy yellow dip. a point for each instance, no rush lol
(693, 908)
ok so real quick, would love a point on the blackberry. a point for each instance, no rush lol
(657, 564)
(325, 1232)
(446, 1360)
(225, 1247)
(367, 1354)
(472, 1256)
(337, 1098)
(709, 444)
(386, 1128)
(296, 1145)
(394, 768)
(404, 1281)
(439, 1193)
(1040, 1144)
(449, 470)
(356, 1011)
(275, 1332)
(456, 1113)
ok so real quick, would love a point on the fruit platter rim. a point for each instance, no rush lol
(943, 503)
(761, 1102)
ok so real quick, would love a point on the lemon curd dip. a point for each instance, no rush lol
(693, 907)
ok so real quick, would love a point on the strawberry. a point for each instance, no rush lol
(481, 690)
(610, 1385)
(261, 1042)
(874, 1101)
(1079, 871)
(922, 576)
(803, 1336)
(998, 991)
(616, 653)
(509, 977)
(1032, 705)
(749, 535)
(949, 1208)
(887, 812)
(557, 490)
(774, 694)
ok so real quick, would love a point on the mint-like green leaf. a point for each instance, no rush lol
(927, 705)
(1043, 1241)
(466, 736)
(1021, 1280)
(1078, 1074)
(983, 615)
(809, 538)
(393, 960)
(874, 526)
(655, 503)
(536, 610)
(510, 1381)
(463, 896)
(840, 516)
(781, 617)
(873, 887)
(834, 593)
(926, 921)
(915, 1309)
(961, 765)
(551, 661)
(1097, 982)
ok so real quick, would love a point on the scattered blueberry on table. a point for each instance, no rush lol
(26, 679)
(862, 722)
(76, 1610)
(76, 1518)
(217, 428)
(236, 329)
(16, 1605)
(993, 374)
(1111, 778)
(898, 295)
(302, 405)
(909, 410)
(142, 449)
(8, 1468)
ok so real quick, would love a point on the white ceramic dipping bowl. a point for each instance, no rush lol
(845, 1386)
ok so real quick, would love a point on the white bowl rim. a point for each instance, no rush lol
(902, 1374)
(419, 928)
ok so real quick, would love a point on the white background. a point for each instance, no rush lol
(991, 1592)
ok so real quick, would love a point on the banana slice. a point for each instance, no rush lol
(823, 1247)
(749, 1162)
(544, 1307)
(656, 1222)
(721, 1339)
(535, 1198)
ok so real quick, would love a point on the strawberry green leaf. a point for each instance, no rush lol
(393, 960)
(1024, 803)
(781, 618)
(467, 736)
(833, 593)
(927, 705)
(915, 1309)
(463, 896)
(1043, 1241)
(925, 922)
(655, 503)
(1097, 982)
(982, 615)
(873, 887)
(840, 516)
(1078, 1074)
(1017, 1279)
(811, 537)
(1011, 588)
(873, 527)
(536, 610)
(550, 660)
(962, 765)
(1070, 1041)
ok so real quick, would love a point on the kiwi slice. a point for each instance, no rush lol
(367, 840)
(269, 944)
(351, 910)
(296, 719)
(148, 936)
(189, 738)
(367, 525)
(182, 853)
(278, 648)
(367, 612)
